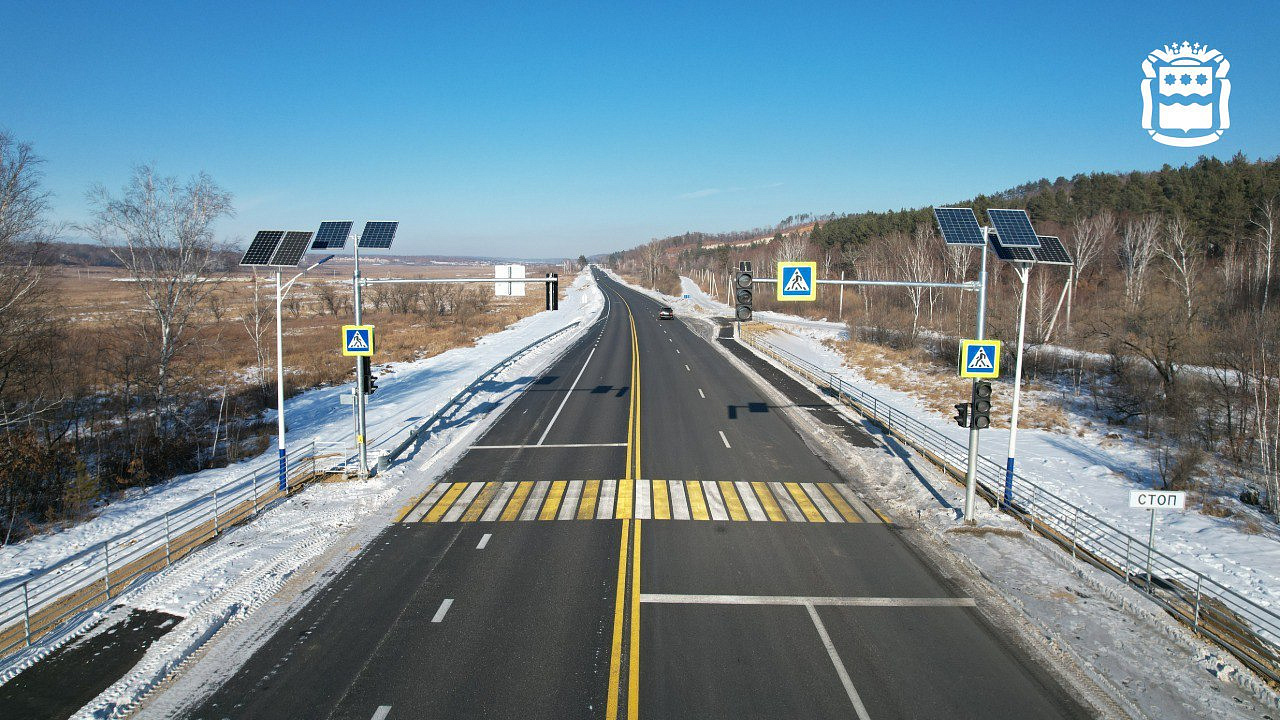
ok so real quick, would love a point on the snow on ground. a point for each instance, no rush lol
(407, 391)
(1152, 664)
(227, 580)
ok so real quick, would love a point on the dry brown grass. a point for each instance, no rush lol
(914, 372)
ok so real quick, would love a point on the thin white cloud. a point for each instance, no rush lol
(701, 193)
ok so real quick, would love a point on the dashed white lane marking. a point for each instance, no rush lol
(566, 396)
(381, 712)
(686, 367)
(484, 540)
(701, 394)
(677, 351)
(670, 340)
(724, 439)
(858, 707)
(444, 608)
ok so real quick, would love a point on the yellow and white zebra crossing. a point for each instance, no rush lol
(641, 499)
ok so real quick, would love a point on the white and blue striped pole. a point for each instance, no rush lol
(1024, 271)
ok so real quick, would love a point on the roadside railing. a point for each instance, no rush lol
(1247, 629)
(36, 606)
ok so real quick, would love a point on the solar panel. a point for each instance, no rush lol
(378, 234)
(959, 226)
(332, 234)
(292, 249)
(1010, 253)
(1051, 251)
(1014, 228)
(263, 245)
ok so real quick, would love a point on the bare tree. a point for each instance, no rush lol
(1184, 257)
(257, 319)
(1089, 235)
(652, 256)
(915, 264)
(791, 246)
(1137, 248)
(161, 231)
(1266, 220)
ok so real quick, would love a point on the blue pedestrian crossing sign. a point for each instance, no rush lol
(357, 340)
(980, 358)
(796, 280)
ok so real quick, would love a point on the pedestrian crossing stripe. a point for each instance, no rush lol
(643, 499)
(796, 280)
(980, 358)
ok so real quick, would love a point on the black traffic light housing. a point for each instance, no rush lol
(962, 414)
(982, 404)
(742, 282)
(368, 380)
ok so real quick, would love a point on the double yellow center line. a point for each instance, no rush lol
(628, 549)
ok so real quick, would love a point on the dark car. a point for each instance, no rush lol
(666, 313)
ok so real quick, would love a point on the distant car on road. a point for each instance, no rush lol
(666, 313)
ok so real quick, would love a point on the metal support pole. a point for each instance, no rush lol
(1196, 624)
(216, 529)
(280, 444)
(840, 312)
(362, 451)
(106, 568)
(1023, 273)
(255, 492)
(971, 471)
(555, 291)
(1151, 542)
(168, 559)
(1128, 548)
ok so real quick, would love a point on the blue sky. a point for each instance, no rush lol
(546, 129)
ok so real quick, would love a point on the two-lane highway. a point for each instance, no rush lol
(641, 533)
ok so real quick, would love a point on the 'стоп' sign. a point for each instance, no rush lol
(1158, 499)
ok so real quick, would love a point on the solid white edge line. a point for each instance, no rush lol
(484, 540)
(444, 608)
(381, 712)
(845, 680)
(704, 397)
(724, 439)
(566, 396)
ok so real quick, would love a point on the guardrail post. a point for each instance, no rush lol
(1128, 545)
(1196, 625)
(255, 492)
(1075, 525)
(1031, 512)
(26, 614)
(216, 530)
(168, 560)
(106, 567)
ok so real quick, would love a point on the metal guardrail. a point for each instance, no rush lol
(37, 606)
(1248, 630)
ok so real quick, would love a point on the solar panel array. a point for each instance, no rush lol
(959, 226)
(291, 249)
(1051, 252)
(332, 234)
(378, 234)
(1014, 228)
(262, 248)
(1010, 253)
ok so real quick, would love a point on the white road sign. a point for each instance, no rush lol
(508, 288)
(1158, 499)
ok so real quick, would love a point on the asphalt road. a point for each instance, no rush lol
(641, 533)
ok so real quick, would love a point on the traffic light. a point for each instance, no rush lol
(962, 414)
(367, 379)
(742, 282)
(982, 404)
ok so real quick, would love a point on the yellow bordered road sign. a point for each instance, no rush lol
(797, 281)
(357, 340)
(980, 358)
